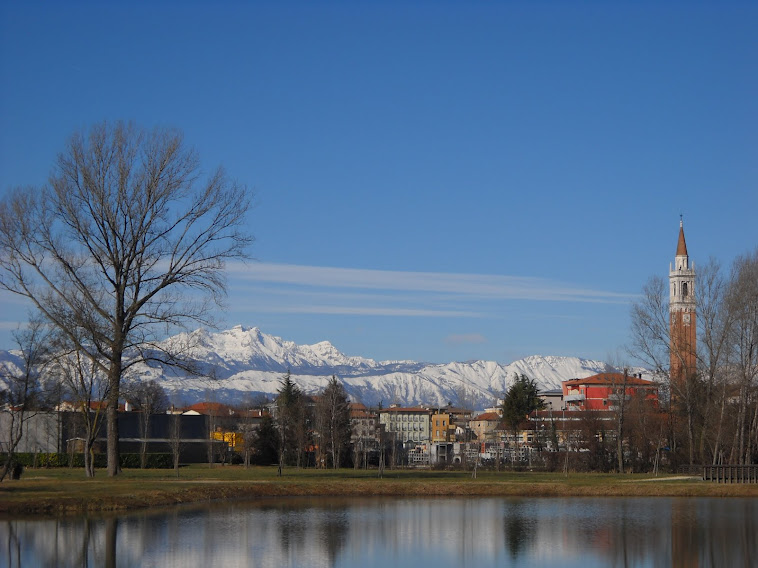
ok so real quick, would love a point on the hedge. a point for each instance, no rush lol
(27, 459)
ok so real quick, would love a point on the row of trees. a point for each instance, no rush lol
(323, 427)
(629, 437)
(709, 416)
(713, 412)
(44, 376)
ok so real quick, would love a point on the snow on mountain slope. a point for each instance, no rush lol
(243, 348)
(245, 362)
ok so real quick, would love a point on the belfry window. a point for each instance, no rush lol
(684, 289)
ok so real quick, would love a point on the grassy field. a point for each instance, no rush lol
(66, 491)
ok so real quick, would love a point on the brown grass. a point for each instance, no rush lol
(64, 491)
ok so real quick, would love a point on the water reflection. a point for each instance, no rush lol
(400, 532)
(519, 529)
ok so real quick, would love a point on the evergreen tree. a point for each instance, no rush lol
(521, 400)
(288, 406)
(266, 442)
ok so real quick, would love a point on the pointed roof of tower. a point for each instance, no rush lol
(681, 246)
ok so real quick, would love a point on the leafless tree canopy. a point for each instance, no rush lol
(713, 413)
(121, 239)
(85, 384)
(21, 388)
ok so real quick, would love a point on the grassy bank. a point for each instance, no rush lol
(66, 491)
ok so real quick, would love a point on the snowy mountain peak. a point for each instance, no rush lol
(245, 361)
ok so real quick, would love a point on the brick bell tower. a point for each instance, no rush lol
(683, 336)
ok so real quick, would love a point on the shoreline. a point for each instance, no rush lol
(48, 494)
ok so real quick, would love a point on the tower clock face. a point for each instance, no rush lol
(686, 318)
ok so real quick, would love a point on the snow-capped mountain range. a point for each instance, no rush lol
(241, 363)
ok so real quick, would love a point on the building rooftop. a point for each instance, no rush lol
(490, 416)
(610, 379)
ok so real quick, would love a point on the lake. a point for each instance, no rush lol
(402, 532)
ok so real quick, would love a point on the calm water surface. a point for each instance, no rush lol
(449, 532)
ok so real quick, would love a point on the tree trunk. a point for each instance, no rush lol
(691, 432)
(114, 383)
(145, 419)
(717, 444)
(11, 448)
(89, 458)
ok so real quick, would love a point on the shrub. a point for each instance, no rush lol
(29, 459)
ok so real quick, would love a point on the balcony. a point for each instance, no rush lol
(573, 397)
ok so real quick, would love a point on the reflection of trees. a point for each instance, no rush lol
(685, 540)
(728, 538)
(519, 531)
(324, 532)
(111, 532)
(748, 544)
(292, 527)
(630, 535)
(14, 545)
(84, 549)
(334, 531)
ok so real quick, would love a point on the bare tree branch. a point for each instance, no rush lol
(116, 240)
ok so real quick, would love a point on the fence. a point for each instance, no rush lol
(731, 473)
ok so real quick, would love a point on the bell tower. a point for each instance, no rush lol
(682, 312)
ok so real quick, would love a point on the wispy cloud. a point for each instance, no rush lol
(368, 311)
(470, 285)
(256, 288)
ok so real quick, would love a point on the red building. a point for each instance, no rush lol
(601, 392)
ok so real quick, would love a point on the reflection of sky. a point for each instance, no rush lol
(404, 533)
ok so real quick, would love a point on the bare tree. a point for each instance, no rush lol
(86, 384)
(743, 305)
(103, 250)
(720, 401)
(652, 343)
(175, 438)
(150, 398)
(651, 337)
(619, 389)
(333, 417)
(714, 329)
(23, 386)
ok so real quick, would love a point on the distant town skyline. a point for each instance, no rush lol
(434, 182)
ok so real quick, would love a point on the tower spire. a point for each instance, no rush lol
(681, 246)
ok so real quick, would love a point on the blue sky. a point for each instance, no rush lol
(434, 181)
